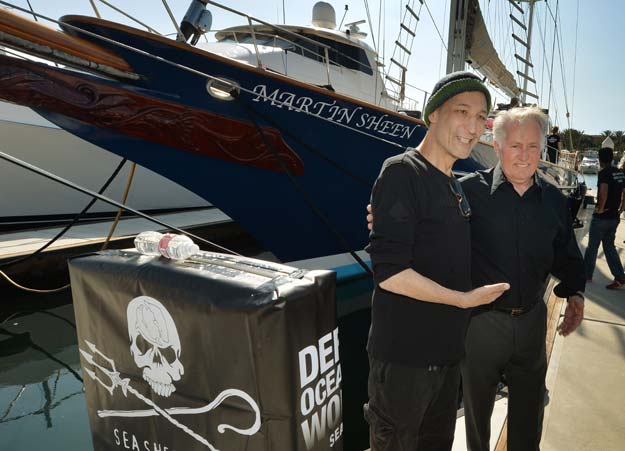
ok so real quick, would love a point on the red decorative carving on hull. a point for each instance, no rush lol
(154, 120)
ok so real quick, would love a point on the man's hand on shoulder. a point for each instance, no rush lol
(369, 217)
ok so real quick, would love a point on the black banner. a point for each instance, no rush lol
(220, 353)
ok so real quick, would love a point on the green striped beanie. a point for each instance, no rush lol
(451, 85)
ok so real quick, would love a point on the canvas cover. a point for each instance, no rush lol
(220, 353)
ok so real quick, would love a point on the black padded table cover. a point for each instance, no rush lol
(216, 352)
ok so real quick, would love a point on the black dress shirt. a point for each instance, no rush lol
(521, 239)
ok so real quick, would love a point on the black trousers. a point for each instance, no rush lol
(497, 344)
(411, 409)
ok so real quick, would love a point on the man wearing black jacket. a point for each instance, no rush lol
(420, 250)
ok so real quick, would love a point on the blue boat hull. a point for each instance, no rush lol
(309, 209)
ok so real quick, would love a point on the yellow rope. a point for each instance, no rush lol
(119, 212)
(32, 290)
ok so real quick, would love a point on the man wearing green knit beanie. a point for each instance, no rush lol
(451, 85)
(421, 255)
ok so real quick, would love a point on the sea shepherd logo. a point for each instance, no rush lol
(320, 395)
(156, 350)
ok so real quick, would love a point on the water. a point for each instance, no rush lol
(42, 404)
(591, 181)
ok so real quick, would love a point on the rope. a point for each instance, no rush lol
(109, 201)
(63, 231)
(249, 110)
(314, 151)
(71, 224)
(33, 290)
(375, 47)
(435, 26)
(575, 61)
(119, 211)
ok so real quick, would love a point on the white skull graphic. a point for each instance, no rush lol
(154, 344)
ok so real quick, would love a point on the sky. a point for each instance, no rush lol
(588, 65)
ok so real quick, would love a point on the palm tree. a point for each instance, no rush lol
(607, 133)
(618, 143)
(618, 140)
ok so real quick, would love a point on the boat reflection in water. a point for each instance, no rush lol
(42, 404)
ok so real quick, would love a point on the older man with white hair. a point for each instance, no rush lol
(520, 232)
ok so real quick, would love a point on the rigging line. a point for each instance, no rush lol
(123, 13)
(72, 223)
(370, 25)
(515, 49)
(543, 65)
(210, 77)
(314, 151)
(566, 103)
(558, 38)
(575, 61)
(33, 290)
(553, 51)
(379, 24)
(33, 11)
(311, 204)
(435, 26)
(440, 55)
(109, 201)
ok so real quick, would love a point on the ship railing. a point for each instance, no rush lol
(282, 34)
(251, 20)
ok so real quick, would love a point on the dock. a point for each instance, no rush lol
(18, 244)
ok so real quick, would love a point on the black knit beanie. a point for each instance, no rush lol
(451, 85)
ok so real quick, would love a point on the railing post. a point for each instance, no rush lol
(249, 20)
(327, 55)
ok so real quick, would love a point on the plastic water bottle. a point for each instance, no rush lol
(170, 245)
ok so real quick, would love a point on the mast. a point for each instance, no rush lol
(456, 41)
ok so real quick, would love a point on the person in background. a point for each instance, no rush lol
(553, 145)
(421, 256)
(605, 219)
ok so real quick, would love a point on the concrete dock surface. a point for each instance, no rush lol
(586, 376)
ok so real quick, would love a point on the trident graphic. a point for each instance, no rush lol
(124, 384)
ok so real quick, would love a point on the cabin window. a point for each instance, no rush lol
(340, 54)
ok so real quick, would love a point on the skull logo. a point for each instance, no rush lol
(154, 344)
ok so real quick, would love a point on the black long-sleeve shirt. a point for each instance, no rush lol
(521, 239)
(418, 225)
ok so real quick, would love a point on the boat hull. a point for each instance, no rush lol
(298, 178)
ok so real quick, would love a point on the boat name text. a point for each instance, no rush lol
(379, 123)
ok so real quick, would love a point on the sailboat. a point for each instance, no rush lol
(283, 127)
